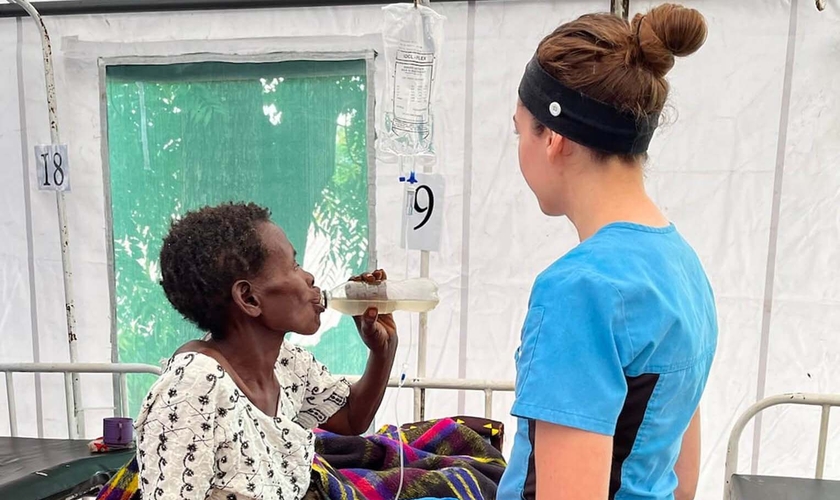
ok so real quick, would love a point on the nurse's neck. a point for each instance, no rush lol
(608, 193)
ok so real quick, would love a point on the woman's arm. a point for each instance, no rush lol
(380, 335)
(571, 464)
(688, 463)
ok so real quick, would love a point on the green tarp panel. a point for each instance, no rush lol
(290, 135)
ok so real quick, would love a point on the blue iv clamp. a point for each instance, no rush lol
(411, 191)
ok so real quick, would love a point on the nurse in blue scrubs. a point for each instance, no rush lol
(621, 331)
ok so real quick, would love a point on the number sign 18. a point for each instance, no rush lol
(53, 167)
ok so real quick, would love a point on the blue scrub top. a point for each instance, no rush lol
(618, 340)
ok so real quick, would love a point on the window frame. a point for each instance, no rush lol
(366, 55)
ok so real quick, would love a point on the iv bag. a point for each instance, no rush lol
(412, 38)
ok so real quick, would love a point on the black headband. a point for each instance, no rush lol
(582, 119)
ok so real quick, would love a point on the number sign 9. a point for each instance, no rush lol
(428, 209)
(423, 213)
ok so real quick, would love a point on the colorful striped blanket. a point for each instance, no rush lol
(446, 458)
(125, 485)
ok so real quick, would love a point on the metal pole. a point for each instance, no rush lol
(122, 409)
(10, 397)
(72, 424)
(418, 415)
(423, 330)
(90, 7)
(81, 368)
(826, 412)
(69, 306)
(423, 333)
(620, 8)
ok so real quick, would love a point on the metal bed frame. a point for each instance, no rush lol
(825, 401)
(122, 370)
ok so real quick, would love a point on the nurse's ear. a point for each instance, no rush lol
(556, 146)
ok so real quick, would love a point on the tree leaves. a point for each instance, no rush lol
(210, 141)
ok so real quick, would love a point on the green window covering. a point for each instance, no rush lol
(289, 135)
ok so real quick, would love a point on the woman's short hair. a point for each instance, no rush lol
(205, 253)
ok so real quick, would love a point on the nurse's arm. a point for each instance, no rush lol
(688, 463)
(571, 464)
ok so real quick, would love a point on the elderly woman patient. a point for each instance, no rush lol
(232, 415)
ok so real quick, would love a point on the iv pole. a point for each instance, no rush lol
(73, 396)
(423, 327)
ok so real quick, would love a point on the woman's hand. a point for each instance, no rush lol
(378, 331)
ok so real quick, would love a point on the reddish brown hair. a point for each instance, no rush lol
(623, 64)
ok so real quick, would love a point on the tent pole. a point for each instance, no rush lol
(87, 7)
(69, 305)
(423, 335)
(620, 8)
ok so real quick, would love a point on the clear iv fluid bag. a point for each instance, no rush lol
(354, 298)
(412, 38)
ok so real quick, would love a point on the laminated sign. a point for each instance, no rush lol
(422, 218)
(52, 167)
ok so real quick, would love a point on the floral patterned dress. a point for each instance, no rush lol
(199, 437)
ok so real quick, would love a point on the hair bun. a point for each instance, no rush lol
(664, 32)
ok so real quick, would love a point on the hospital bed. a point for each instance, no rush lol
(59, 469)
(758, 487)
(63, 469)
(32, 468)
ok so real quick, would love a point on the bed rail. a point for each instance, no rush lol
(122, 370)
(69, 369)
(421, 385)
(825, 401)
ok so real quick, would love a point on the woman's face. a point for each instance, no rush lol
(535, 144)
(287, 296)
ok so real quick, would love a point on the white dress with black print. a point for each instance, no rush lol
(199, 437)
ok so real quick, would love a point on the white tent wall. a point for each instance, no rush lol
(804, 352)
(712, 169)
(16, 337)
